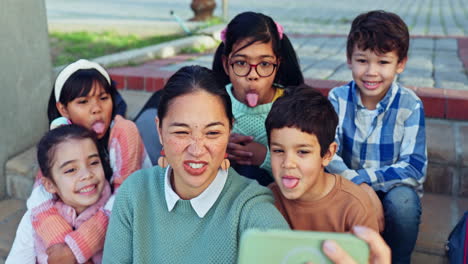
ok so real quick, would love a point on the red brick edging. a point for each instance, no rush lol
(438, 103)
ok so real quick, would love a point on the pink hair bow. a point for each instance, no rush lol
(222, 35)
(279, 27)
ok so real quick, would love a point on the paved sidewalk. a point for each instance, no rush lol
(424, 17)
(438, 51)
(433, 63)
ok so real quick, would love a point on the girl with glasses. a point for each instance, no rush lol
(255, 61)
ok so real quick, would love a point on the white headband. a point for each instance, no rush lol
(72, 68)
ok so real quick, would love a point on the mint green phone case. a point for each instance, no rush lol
(296, 247)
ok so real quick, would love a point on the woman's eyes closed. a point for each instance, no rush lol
(213, 134)
(179, 132)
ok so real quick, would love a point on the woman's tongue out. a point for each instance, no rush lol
(99, 127)
(252, 99)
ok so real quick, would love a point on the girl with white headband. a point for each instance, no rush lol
(84, 94)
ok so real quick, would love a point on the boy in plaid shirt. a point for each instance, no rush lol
(381, 134)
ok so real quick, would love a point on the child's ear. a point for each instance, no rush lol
(224, 60)
(401, 65)
(329, 154)
(49, 185)
(62, 110)
(156, 120)
(348, 61)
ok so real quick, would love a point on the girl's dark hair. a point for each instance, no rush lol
(306, 109)
(258, 27)
(80, 84)
(189, 79)
(46, 148)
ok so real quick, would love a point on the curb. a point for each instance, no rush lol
(438, 103)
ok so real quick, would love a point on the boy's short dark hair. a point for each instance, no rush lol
(379, 31)
(307, 109)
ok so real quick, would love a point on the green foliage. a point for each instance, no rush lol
(215, 20)
(68, 47)
(197, 49)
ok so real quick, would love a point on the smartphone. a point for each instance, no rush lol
(296, 247)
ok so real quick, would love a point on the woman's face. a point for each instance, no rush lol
(194, 133)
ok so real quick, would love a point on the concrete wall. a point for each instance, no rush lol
(25, 77)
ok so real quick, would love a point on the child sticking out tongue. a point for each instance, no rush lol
(252, 99)
(98, 127)
(290, 182)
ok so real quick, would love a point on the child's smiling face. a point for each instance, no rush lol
(93, 111)
(77, 173)
(252, 89)
(374, 73)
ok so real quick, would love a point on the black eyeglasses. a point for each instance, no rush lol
(263, 69)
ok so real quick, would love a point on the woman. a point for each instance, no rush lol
(196, 209)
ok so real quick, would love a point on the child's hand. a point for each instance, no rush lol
(377, 205)
(259, 152)
(60, 253)
(243, 150)
(236, 149)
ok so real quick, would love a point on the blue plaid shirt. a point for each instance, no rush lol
(385, 147)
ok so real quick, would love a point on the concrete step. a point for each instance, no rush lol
(447, 146)
(11, 212)
(440, 214)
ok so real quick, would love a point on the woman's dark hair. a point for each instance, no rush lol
(257, 27)
(46, 148)
(189, 79)
(80, 84)
(306, 109)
